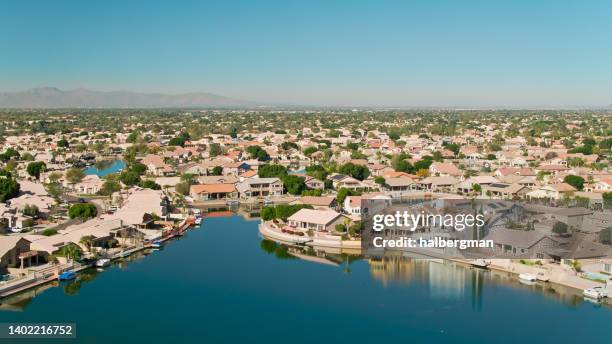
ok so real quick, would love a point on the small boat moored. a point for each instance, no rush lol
(527, 277)
(596, 293)
(66, 276)
(156, 244)
(102, 263)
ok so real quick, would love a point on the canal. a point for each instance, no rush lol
(222, 283)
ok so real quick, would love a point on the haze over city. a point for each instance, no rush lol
(358, 53)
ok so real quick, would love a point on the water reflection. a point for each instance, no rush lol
(446, 280)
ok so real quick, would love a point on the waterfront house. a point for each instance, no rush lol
(260, 187)
(206, 192)
(528, 244)
(318, 220)
(318, 202)
(12, 251)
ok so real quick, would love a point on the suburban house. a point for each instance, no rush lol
(553, 192)
(524, 243)
(438, 184)
(89, 185)
(205, 192)
(604, 185)
(318, 220)
(313, 183)
(504, 191)
(260, 187)
(343, 181)
(156, 166)
(398, 187)
(444, 169)
(235, 168)
(13, 250)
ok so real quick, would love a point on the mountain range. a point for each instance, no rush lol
(51, 97)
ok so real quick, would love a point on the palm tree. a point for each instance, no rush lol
(87, 241)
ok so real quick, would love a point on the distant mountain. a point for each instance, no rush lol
(51, 97)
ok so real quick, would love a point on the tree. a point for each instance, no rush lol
(294, 184)
(129, 178)
(309, 150)
(379, 180)
(9, 154)
(271, 170)
(75, 175)
(177, 141)
(9, 188)
(258, 153)
(109, 187)
(217, 171)
(149, 184)
(356, 171)
(477, 188)
(343, 193)
(87, 241)
(82, 211)
(317, 171)
(133, 137)
(182, 188)
(423, 173)
(605, 236)
(31, 211)
(559, 228)
(575, 181)
(35, 168)
(214, 150)
(138, 168)
(282, 211)
(70, 251)
(63, 143)
(607, 199)
(54, 177)
(399, 163)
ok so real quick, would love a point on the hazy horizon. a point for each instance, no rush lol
(473, 54)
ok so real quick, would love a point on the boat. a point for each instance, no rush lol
(480, 263)
(123, 254)
(104, 262)
(198, 220)
(527, 277)
(156, 244)
(66, 276)
(595, 293)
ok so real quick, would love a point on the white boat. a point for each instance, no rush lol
(595, 293)
(104, 262)
(198, 220)
(527, 277)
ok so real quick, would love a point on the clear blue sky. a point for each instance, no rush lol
(395, 53)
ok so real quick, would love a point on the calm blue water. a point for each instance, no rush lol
(114, 167)
(220, 283)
